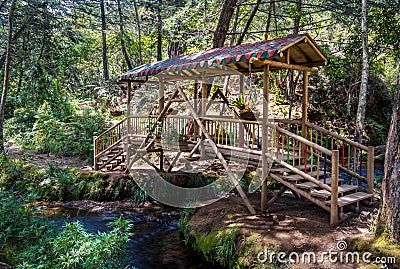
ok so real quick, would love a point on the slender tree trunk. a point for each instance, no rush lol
(159, 31)
(122, 36)
(248, 23)
(104, 39)
(139, 32)
(234, 27)
(223, 23)
(389, 213)
(266, 35)
(296, 28)
(6, 74)
(362, 98)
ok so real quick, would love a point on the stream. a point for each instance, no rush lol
(156, 242)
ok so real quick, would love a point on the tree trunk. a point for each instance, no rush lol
(389, 213)
(362, 98)
(267, 26)
(234, 27)
(104, 39)
(159, 31)
(248, 23)
(122, 36)
(6, 74)
(139, 32)
(223, 23)
(296, 28)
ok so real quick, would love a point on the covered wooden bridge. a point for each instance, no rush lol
(319, 165)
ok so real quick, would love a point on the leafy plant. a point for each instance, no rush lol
(28, 240)
(74, 247)
(239, 103)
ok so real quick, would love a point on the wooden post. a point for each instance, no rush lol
(128, 128)
(218, 153)
(161, 100)
(195, 104)
(241, 129)
(304, 117)
(370, 170)
(334, 188)
(203, 105)
(95, 165)
(161, 97)
(264, 143)
(128, 94)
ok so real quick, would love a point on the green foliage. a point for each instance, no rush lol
(74, 247)
(28, 240)
(225, 248)
(19, 228)
(239, 103)
(65, 134)
(65, 184)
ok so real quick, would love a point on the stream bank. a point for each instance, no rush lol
(224, 232)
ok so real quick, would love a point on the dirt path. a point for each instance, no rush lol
(43, 159)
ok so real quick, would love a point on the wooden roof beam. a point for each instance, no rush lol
(283, 65)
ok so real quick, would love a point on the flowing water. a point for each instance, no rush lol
(156, 242)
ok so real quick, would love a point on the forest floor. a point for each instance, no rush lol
(37, 159)
(290, 225)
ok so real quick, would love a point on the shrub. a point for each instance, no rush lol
(28, 240)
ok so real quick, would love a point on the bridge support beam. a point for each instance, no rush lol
(304, 117)
(264, 143)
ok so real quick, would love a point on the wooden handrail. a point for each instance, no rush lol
(338, 136)
(281, 130)
(304, 141)
(110, 129)
(290, 121)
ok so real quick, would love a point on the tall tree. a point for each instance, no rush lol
(159, 31)
(223, 23)
(122, 35)
(104, 40)
(389, 214)
(297, 17)
(249, 21)
(139, 32)
(362, 98)
(6, 74)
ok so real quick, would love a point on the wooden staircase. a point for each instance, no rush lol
(113, 159)
(347, 194)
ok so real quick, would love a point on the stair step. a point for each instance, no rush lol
(296, 177)
(310, 185)
(324, 194)
(351, 198)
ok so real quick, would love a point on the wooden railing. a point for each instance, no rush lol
(353, 157)
(138, 125)
(108, 139)
(311, 161)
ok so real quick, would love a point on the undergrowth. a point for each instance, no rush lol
(28, 240)
(65, 184)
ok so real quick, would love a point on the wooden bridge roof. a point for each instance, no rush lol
(300, 50)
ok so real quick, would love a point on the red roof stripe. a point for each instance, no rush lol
(260, 49)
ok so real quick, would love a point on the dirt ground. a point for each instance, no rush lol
(43, 159)
(290, 225)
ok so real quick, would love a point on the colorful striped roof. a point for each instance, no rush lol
(213, 57)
